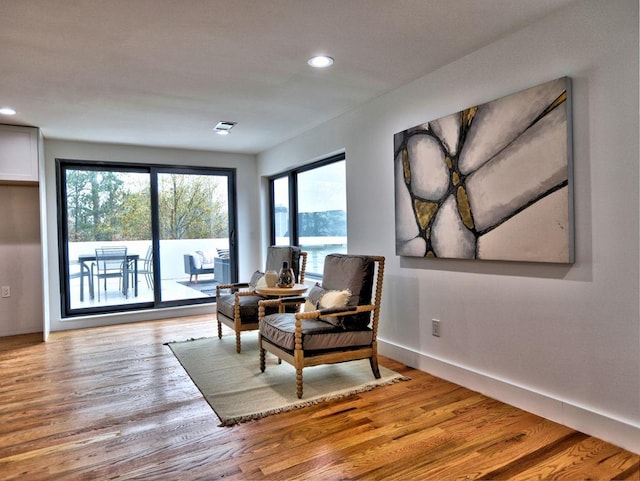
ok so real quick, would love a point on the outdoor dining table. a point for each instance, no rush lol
(85, 261)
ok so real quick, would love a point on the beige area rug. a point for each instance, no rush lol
(237, 391)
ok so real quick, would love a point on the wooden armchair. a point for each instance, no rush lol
(237, 303)
(339, 323)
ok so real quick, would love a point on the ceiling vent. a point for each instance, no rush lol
(224, 127)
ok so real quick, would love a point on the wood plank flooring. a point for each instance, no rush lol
(113, 403)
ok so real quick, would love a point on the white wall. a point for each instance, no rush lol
(561, 341)
(247, 227)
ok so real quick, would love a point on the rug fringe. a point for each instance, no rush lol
(312, 402)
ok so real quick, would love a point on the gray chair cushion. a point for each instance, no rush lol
(316, 335)
(277, 255)
(255, 277)
(355, 273)
(248, 307)
(314, 295)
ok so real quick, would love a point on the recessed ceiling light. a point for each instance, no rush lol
(320, 61)
(7, 111)
(224, 127)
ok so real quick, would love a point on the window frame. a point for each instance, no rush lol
(62, 165)
(292, 176)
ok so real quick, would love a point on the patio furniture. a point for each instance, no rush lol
(110, 263)
(81, 273)
(87, 266)
(222, 269)
(195, 264)
(339, 322)
(147, 267)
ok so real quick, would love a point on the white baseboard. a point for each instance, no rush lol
(619, 432)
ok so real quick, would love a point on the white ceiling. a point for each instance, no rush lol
(164, 72)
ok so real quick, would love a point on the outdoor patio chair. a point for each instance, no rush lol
(110, 263)
(81, 272)
(147, 267)
(237, 303)
(339, 322)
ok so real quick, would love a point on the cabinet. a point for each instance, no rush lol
(18, 153)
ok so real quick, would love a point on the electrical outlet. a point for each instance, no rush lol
(435, 327)
(6, 291)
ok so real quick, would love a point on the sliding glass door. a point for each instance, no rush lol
(194, 225)
(140, 236)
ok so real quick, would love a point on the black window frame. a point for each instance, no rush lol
(153, 170)
(292, 176)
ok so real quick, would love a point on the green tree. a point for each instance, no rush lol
(108, 198)
(94, 200)
(135, 216)
(78, 208)
(191, 207)
(116, 206)
(323, 223)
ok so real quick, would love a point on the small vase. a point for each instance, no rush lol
(286, 278)
(271, 278)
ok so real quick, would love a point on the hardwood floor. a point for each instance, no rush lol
(114, 403)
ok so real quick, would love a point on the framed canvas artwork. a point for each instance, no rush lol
(490, 182)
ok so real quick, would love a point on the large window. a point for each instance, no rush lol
(309, 209)
(140, 236)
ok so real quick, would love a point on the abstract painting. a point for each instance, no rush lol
(490, 182)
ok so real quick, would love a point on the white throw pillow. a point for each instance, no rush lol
(333, 299)
(207, 256)
(197, 260)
